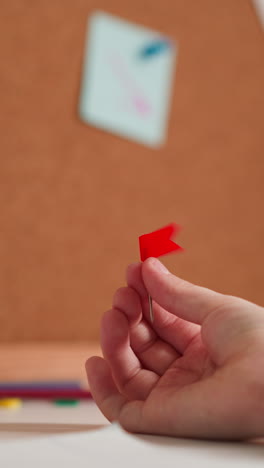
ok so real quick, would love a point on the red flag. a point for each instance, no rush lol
(159, 242)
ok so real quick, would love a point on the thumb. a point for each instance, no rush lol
(230, 325)
(186, 300)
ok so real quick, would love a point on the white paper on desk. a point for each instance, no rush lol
(112, 447)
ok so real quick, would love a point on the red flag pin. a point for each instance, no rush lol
(156, 244)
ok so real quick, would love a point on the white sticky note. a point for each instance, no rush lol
(127, 79)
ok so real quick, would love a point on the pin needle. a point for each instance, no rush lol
(151, 309)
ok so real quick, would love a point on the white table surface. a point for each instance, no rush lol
(31, 426)
(36, 418)
(82, 442)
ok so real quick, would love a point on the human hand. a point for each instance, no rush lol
(197, 371)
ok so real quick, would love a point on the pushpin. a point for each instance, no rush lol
(150, 309)
(156, 244)
(154, 48)
(10, 403)
(65, 402)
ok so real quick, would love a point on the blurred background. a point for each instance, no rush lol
(74, 199)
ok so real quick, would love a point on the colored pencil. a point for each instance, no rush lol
(46, 394)
(41, 385)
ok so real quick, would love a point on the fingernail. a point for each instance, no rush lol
(158, 266)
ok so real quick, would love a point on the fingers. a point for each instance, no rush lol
(153, 353)
(104, 391)
(103, 388)
(134, 279)
(129, 376)
(168, 327)
(183, 299)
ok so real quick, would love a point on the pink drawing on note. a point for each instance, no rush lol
(141, 105)
(139, 102)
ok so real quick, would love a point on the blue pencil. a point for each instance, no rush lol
(41, 385)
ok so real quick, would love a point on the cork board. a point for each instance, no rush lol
(74, 200)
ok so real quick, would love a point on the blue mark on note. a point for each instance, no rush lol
(155, 48)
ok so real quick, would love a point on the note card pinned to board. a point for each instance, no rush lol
(127, 79)
(259, 6)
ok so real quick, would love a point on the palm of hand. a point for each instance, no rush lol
(193, 366)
